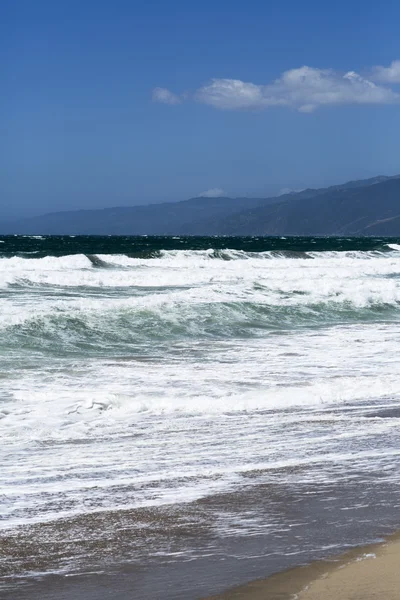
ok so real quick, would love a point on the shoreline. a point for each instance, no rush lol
(365, 572)
(239, 567)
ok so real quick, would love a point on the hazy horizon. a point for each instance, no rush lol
(206, 196)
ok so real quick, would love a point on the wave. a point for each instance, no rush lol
(117, 300)
(121, 325)
(83, 261)
(328, 270)
(394, 247)
(97, 262)
(210, 253)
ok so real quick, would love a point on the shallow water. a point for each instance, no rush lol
(162, 374)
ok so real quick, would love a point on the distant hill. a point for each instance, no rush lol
(365, 207)
(355, 210)
(154, 219)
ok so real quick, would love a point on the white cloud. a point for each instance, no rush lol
(230, 93)
(390, 74)
(165, 96)
(213, 193)
(287, 190)
(304, 89)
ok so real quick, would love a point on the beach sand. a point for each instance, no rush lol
(368, 573)
(375, 574)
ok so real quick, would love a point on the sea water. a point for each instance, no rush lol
(246, 389)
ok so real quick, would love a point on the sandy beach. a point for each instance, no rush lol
(374, 574)
(367, 573)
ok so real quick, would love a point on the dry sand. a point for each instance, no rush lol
(375, 574)
(368, 573)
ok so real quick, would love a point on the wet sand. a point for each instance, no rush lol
(367, 573)
(200, 549)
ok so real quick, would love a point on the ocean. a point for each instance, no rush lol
(180, 415)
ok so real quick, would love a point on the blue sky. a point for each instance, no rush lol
(127, 102)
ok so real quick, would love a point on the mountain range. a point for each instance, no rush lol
(369, 207)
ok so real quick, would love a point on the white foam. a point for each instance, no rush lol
(280, 281)
(119, 419)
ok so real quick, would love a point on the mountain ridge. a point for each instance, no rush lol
(359, 207)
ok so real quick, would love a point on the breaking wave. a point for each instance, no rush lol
(148, 360)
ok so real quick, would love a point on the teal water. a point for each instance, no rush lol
(147, 247)
(155, 374)
(122, 295)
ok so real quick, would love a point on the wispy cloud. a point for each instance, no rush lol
(286, 190)
(213, 193)
(165, 96)
(390, 74)
(304, 89)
